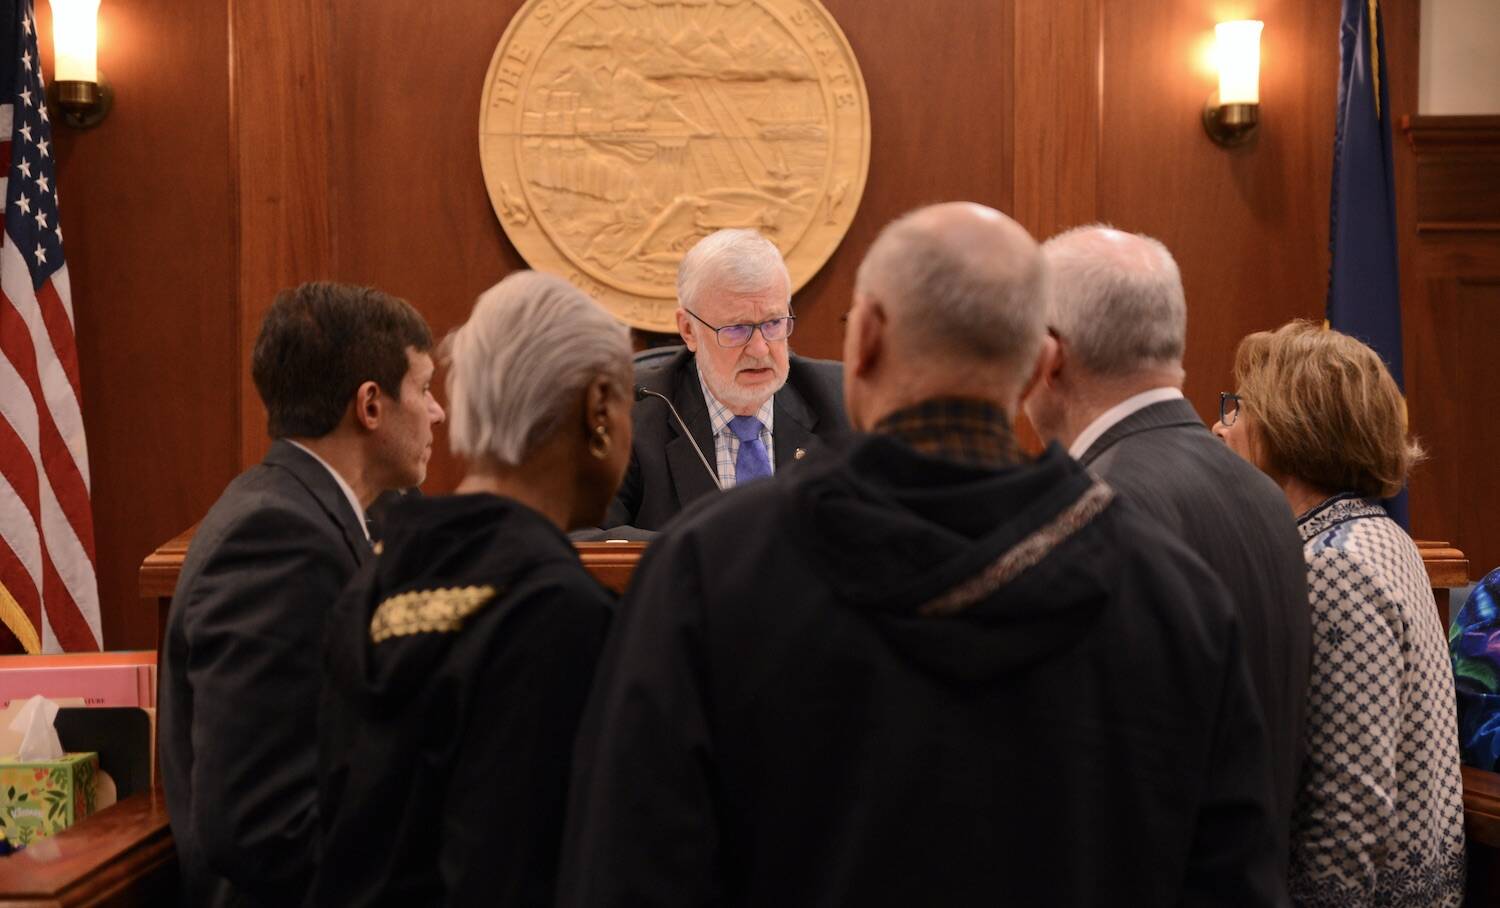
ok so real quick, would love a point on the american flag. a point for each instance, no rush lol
(49, 597)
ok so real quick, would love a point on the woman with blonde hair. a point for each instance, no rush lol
(458, 660)
(1379, 812)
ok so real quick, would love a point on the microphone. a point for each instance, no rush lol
(641, 393)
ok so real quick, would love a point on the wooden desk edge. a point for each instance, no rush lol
(104, 855)
(610, 562)
(158, 574)
(1446, 565)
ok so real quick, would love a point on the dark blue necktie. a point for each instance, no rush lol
(752, 462)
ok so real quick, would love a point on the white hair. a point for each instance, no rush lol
(516, 368)
(1117, 300)
(982, 305)
(733, 261)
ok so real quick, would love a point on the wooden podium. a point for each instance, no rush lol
(124, 854)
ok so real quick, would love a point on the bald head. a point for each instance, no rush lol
(1116, 300)
(949, 302)
(960, 281)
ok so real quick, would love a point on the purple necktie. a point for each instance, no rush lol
(752, 462)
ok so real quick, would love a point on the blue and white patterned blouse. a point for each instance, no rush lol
(1379, 814)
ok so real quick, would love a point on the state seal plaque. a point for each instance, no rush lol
(614, 134)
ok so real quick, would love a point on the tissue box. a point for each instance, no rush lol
(42, 797)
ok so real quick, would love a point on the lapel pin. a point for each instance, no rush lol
(799, 454)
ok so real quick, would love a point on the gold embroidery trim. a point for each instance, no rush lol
(439, 611)
(1023, 554)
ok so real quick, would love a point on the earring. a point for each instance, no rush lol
(600, 442)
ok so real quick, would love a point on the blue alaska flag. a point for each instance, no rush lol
(1364, 288)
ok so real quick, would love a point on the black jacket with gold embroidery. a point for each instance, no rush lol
(457, 664)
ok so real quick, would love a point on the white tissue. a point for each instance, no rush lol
(38, 736)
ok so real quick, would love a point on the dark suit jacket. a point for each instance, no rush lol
(1238, 521)
(665, 473)
(240, 678)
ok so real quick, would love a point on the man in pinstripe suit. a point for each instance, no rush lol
(1114, 397)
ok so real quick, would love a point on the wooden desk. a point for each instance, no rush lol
(611, 563)
(122, 855)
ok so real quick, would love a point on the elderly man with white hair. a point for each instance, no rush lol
(1114, 395)
(748, 404)
(928, 670)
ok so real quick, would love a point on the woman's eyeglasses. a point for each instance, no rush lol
(1229, 407)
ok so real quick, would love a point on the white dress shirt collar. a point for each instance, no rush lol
(359, 512)
(1107, 420)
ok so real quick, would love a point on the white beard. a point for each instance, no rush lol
(733, 395)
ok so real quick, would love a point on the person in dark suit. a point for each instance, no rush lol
(344, 375)
(1114, 395)
(751, 405)
(458, 660)
(926, 669)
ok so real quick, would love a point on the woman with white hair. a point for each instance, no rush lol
(458, 660)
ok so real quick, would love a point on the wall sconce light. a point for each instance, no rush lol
(1232, 112)
(82, 94)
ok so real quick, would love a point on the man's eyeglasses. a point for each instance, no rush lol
(1229, 407)
(774, 329)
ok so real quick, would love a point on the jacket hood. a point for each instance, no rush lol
(445, 561)
(970, 573)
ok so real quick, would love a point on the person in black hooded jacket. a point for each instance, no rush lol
(458, 659)
(932, 671)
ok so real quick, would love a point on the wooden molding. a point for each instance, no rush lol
(611, 563)
(1428, 133)
(1457, 174)
(158, 575)
(1458, 226)
(1446, 566)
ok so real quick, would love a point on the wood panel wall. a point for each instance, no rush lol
(146, 202)
(338, 139)
(1450, 330)
(281, 134)
(1248, 226)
